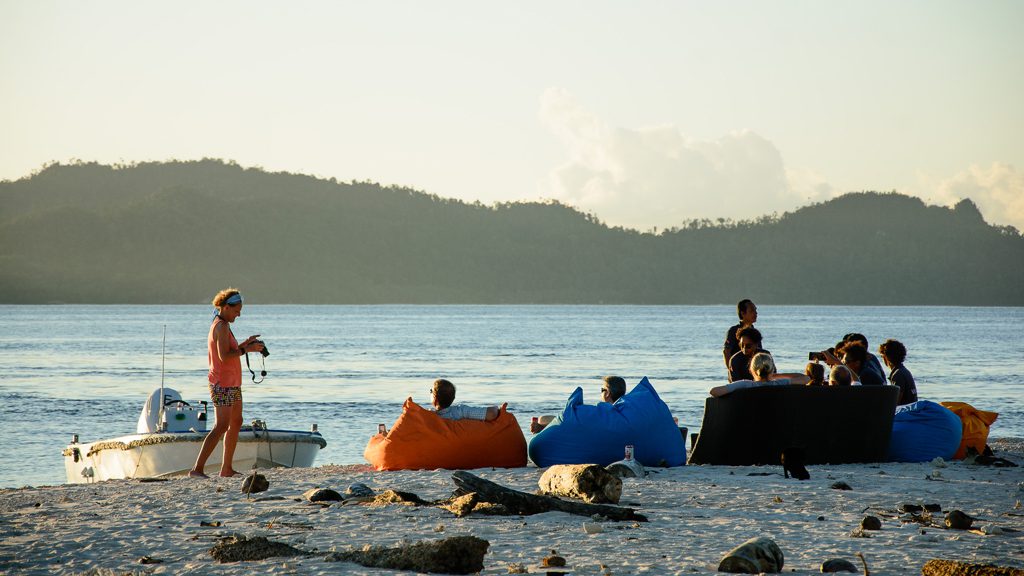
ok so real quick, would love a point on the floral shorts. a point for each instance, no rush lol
(222, 396)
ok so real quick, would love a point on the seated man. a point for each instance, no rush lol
(612, 389)
(854, 357)
(871, 363)
(443, 394)
(763, 368)
(750, 344)
(894, 353)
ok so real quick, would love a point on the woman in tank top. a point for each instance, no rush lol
(225, 378)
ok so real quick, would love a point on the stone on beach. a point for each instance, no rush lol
(397, 497)
(588, 482)
(954, 568)
(757, 555)
(322, 495)
(461, 505)
(871, 523)
(239, 548)
(838, 565)
(255, 483)
(358, 490)
(456, 555)
(957, 520)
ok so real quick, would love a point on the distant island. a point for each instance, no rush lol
(176, 232)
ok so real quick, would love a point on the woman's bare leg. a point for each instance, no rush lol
(231, 439)
(222, 414)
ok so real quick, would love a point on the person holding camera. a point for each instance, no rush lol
(854, 357)
(225, 378)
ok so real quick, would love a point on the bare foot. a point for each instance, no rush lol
(196, 474)
(230, 474)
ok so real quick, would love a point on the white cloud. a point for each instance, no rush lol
(997, 190)
(657, 176)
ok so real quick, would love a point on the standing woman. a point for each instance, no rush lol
(225, 378)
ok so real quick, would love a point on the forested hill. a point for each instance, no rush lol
(177, 232)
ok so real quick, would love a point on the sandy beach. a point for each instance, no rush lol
(696, 514)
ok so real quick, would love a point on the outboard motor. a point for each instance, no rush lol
(149, 420)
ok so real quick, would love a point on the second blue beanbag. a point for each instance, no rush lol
(924, 430)
(584, 434)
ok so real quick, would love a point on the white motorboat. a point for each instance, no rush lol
(168, 437)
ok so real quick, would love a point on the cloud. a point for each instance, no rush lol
(657, 176)
(997, 190)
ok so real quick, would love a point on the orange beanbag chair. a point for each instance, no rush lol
(422, 440)
(976, 423)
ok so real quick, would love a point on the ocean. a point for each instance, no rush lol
(86, 370)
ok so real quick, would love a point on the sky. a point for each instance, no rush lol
(644, 113)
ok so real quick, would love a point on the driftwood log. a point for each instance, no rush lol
(527, 504)
(953, 568)
(588, 482)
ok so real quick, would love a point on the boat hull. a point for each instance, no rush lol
(174, 453)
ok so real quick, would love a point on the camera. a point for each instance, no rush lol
(265, 351)
(816, 356)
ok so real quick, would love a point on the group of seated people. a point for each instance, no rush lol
(851, 363)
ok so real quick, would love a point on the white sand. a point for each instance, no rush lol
(697, 513)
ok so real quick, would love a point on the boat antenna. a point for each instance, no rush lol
(163, 357)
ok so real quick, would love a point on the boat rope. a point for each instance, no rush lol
(135, 472)
(296, 437)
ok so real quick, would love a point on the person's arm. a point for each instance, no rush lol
(220, 336)
(541, 423)
(724, 389)
(719, 390)
(793, 377)
(251, 344)
(493, 411)
(831, 359)
(223, 340)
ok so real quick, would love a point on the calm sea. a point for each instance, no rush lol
(88, 369)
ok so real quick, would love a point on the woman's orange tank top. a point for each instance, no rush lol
(226, 373)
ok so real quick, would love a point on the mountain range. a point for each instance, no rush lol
(177, 232)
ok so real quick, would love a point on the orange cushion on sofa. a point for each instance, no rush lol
(422, 440)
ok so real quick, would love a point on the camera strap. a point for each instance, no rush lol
(263, 370)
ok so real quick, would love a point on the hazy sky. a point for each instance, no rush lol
(644, 113)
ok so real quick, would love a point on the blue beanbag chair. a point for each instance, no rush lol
(584, 434)
(923, 430)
